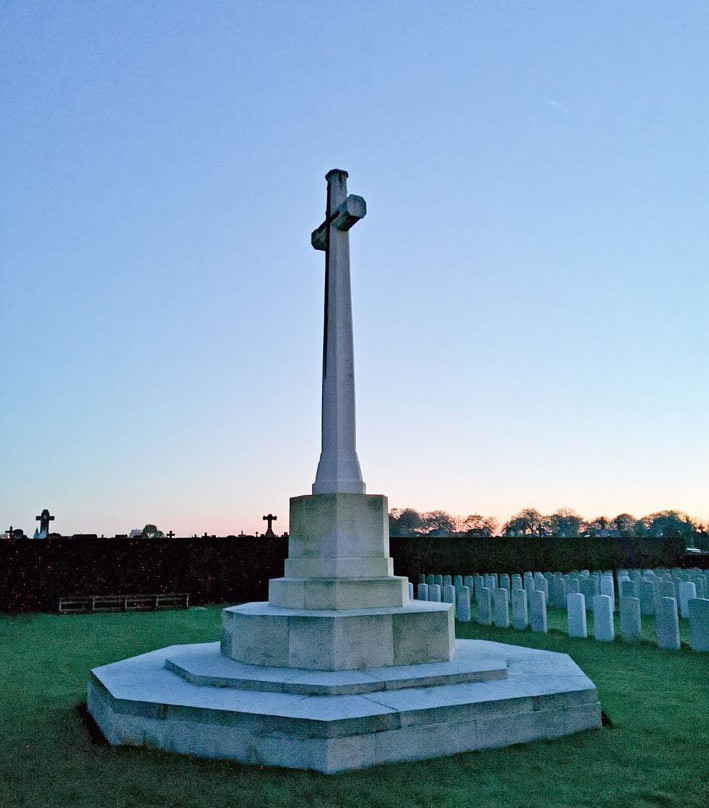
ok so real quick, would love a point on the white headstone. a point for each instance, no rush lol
(664, 588)
(479, 584)
(628, 588)
(423, 591)
(687, 592)
(630, 622)
(502, 608)
(538, 611)
(698, 581)
(647, 597)
(448, 593)
(542, 585)
(434, 593)
(699, 624)
(603, 628)
(560, 601)
(553, 590)
(589, 589)
(520, 619)
(667, 624)
(485, 607)
(608, 587)
(462, 605)
(576, 612)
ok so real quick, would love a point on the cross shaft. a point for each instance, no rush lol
(338, 469)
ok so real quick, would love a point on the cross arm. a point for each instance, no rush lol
(350, 211)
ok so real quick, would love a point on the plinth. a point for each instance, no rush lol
(316, 679)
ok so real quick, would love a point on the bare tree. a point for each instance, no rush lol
(406, 522)
(565, 523)
(477, 525)
(439, 523)
(528, 522)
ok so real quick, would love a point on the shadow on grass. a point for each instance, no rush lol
(93, 730)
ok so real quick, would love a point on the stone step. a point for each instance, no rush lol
(204, 664)
(544, 695)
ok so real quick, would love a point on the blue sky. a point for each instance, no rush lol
(530, 284)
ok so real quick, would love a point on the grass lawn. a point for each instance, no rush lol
(655, 753)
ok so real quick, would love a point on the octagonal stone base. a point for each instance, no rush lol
(193, 700)
(338, 639)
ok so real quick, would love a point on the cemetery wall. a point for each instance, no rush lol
(34, 574)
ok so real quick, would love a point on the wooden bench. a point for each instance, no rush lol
(123, 603)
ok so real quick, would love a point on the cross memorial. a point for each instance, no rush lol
(338, 469)
(44, 519)
(170, 534)
(270, 519)
(337, 614)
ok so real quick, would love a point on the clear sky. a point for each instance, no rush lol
(530, 284)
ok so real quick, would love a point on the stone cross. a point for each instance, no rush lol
(270, 519)
(44, 519)
(338, 469)
(170, 534)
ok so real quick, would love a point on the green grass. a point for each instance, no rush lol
(654, 755)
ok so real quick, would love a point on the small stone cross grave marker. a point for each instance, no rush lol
(44, 519)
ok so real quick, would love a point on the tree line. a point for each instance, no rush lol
(563, 523)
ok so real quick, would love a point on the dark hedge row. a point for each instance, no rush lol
(34, 574)
(507, 554)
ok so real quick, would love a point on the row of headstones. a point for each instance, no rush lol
(529, 594)
(647, 585)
